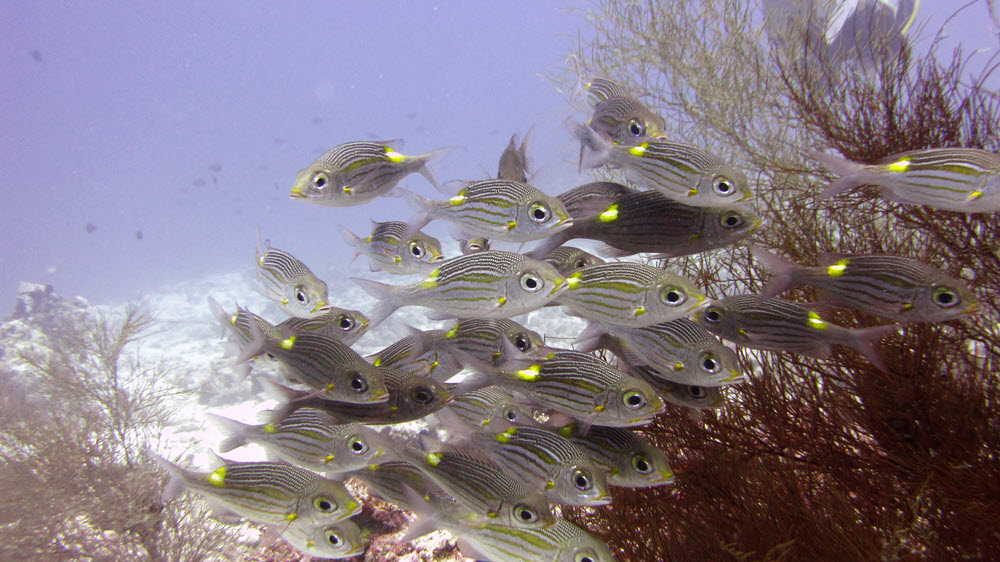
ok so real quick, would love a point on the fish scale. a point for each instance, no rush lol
(287, 281)
(482, 337)
(621, 452)
(568, 259)
(343, 325)
(561, 541)
(489, 409)
(423, 355)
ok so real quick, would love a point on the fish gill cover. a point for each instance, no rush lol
(817, 451)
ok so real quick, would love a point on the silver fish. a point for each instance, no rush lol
(568, 259)
(780, 325)
(491, 409)
(680, 351)
(329, 542)
(653, 223)
(687, 395)
(474, 245)
(630, 294)
(547, 461)
(619, 116)
(420, 353)
(396, 247)
(309, 438)
(390, 480)
(266, 492)
(483, 338)
(593, 198)
(629, 460)
(514, 160)
(238, 323)
(893, 287)
(682, 172)
(494, 284)
(288, 282)
(966, 180)
(343, 325)
(354, 173)
(505, 210)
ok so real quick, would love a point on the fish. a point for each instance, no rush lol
(619, 116)
(629, 460)
(238, 324)
(780, 325)
(344, 325)
(682, 172)
(355, 173)
(307, 437)
(482, 338)
(331, 541)
(389, 481)
(964, 180)
(630, 294)
(265, 492)
(650, 222)
(567, 259)
(494, 284)
(514, 160)
(490, 408)
(504, 210)
(332, 369)
(420, 353)
(284, 279)
(474, 245)
(549, 462)
(688, 395)
(592, 198)
(893, 287)
(680, 351)
(396, 247)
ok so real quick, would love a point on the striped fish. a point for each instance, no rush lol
(389, 481)
(592, 198)
(481, 485)
(780, 325)
(396, 247)
(630, 460)
(513, 164)
(966, 180)
(421, 353)
(266, 492)
(568, 259)
(410, 397)
(682, 172)
(584, 387)
(490, 408)
(482, 338)
(494, 284)
(288, 282)
(687, 395)
(309, 438)
(651, 222)
(603, 89)
(332, 541)
(333, 369)
(546, 461)
(619, 116)
(343, 325)
(510, 211)
(630, 294)
(893, 287)
(238, 324)
(680, 351)
(354, 173)
(562, 542)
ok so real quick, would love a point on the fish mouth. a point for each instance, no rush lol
(565, 220)
(296, 193)
(320, 307)
(436, 258)
(757, 224)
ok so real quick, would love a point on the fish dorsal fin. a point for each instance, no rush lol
(826, 259)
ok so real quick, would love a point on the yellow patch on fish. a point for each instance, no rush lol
(433, 459)
(288, 343)
(974, 196)
(900, 165)
(397, 259)
(232, 320)
(328, 459)
(639, 150)
(377, 362)
(816, 322)
(458, 199)
(347, 189)
(838, 269)
(599, 409)
(610, 214)
(549, 484)
(269, 428)
(639, 311)
(431, 280)
(511, 225)
(505, 436)
(452, 332)
(678, 366)
(574, 280)
(530, 374)
(501, 301)
(218, 478)
(310, 544)
(393, 156)
(291, 517)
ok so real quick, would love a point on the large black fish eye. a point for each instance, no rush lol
(945, 297)
(672, 296)
(324, 505)
(345, 323)
(531, 282)
(636, 128)
(634, 399)
(580, 264)
(319, 181)
(539, 212)
(526, 514)
(300, 295)
(581, 481)
(358, 447)
(584, 559)
(422, 395)
(417, 249)
(641, 465)
(358, 383)
(723, 186)
(511, 415)
(522, 343)
(697, 392)
(732, 220)
(332, 538)
(713, 315)
(709, 363)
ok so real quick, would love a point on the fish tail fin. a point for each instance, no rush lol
(426, 158)
(786, 273)
(523, 150)
(863, 341)
(388, 299)
(848, 171)
(421, 204)
(221, 315)
(591, 338)
(590, 140)
(254, 347)
(546, 245)
(238, 432)
(175, 481)
(352, 240)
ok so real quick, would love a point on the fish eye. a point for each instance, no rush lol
(640, 464)
(531, 282)
(697, 392)
(332, 539)
(320, 180)
(723, 186)
(345, 323)
(511, 415)
(359, 383)
(522, 343)
(634, 399)
(709, 363)
(945, 297)
(300, 295)
(417, 249)
(324, 504)
(525, 514)
(580, 264)
(422, 395)
(732, 219)
(672, 296)
(582, 481)
(539, 212)
(358, 446)
(636, 128)
(713, 315)
(583, 558)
